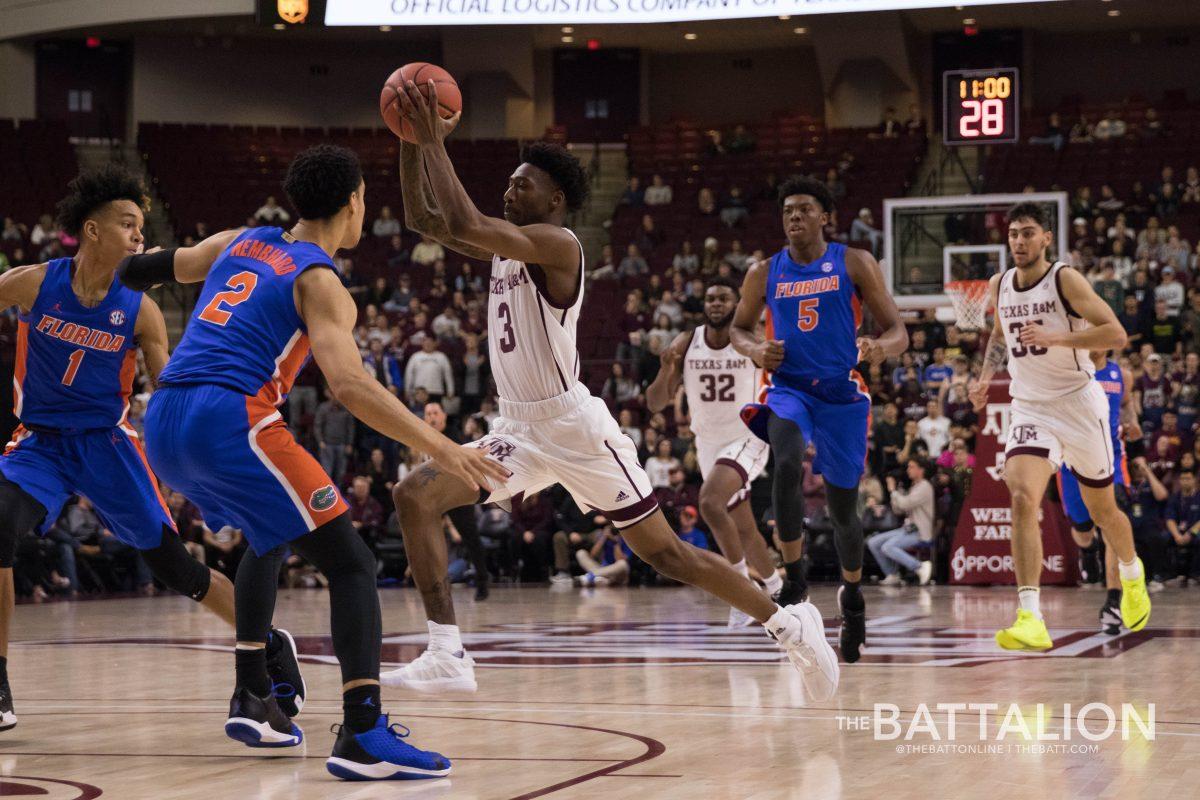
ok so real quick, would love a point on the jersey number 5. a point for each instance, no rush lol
(807, 314)
(240, 287)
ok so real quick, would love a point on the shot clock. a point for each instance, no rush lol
(982, 106)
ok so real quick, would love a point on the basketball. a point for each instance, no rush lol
(419, 72)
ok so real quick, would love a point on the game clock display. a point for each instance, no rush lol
(981, 106)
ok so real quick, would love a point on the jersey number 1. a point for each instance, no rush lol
(73, 367)
(240, 287)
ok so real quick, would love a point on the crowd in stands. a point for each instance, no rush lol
(422, 335)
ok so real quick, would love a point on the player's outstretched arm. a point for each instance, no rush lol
(742, 334)
(144, 271)
(864, 271)
(151, 332)
(329, 313)
(996, 356)
(20, 286)
(421, 213)
(1104, 332)
(662, 389)
(549, 246)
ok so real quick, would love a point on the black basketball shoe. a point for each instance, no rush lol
(259, 722)
(852, 634)
(791, 594)
(8, 717)
(1110, 617)
(287, 684)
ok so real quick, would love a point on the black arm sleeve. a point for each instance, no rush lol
(146, 270)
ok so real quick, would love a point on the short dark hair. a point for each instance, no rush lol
(1030, 211)
(321, 179)
(728, 284)
(798, 184)
(90, 191)
(563, 168)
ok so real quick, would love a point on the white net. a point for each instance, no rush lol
(970, 299)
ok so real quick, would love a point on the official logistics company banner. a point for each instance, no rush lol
(582, 12)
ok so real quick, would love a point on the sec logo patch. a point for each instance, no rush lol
(117, 317)
(323, 499)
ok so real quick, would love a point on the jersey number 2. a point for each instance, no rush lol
(240, 287)
(807, 315)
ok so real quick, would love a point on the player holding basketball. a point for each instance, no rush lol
(1047, 318)
(77, 344)
(813, 291)
(214, 432)
(718, 381)
(551, 429)
(1122, 423)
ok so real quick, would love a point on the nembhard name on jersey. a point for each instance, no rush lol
(80, 334)
(506, 283)
(272, 256)
(1027, 309)
(800, 288)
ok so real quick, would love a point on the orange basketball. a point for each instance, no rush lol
(420, 73)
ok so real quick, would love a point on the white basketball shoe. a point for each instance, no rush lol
(800, 632)
(436, 670)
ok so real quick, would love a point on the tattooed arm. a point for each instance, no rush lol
(421, 212)
(994, 359)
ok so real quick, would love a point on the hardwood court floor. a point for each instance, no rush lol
(615, 693)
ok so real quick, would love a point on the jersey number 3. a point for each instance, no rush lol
(240, 287)
(807, 315)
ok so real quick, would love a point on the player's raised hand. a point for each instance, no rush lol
(768, 354)
(472, 465)
(421, 111)
(870, 350)
(978, 393)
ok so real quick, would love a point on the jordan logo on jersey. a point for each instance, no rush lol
(81, 335)
(323, 499)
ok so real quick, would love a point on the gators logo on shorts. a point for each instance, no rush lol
(323, 499)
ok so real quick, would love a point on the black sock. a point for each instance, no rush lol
(274, 642)
(852, 599)
(3, 669)
(251, 666)
(795, 571)
(360, 706)
(1114, 596)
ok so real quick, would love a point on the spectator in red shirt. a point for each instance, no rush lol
(366, 515)
(1177, 441)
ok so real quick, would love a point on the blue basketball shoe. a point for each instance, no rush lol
(381, 754)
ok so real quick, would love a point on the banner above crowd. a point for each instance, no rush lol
(583, 12)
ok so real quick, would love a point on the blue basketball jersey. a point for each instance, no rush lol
(245, 333)
(1113, 383)
(75, 365)
(814, 310)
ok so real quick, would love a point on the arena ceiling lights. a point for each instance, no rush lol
(575, 12)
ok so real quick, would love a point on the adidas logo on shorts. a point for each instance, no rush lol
(621, 496)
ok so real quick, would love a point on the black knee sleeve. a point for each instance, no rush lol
(355, 620)
(787, 446)
(172, 564)
(19, 514)
(847, 527)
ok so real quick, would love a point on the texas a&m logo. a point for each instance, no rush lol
(1022, 434)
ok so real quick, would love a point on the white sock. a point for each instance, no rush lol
(781, 619)
(773, 583)
(1030, 597)
(1130, 571)
(742, 569)
(444, 637)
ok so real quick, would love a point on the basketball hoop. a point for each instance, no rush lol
(970, 299)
